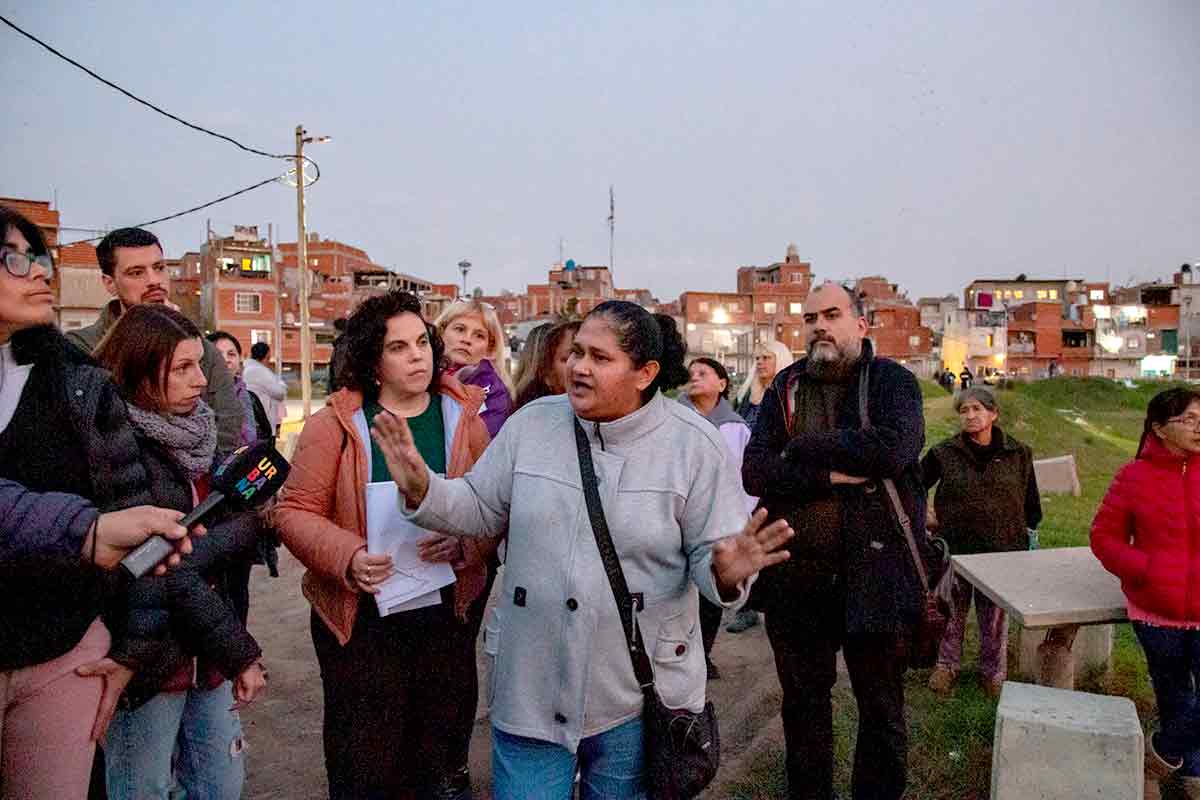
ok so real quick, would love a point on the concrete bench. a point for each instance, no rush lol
(1057, 475)
(1056, 596)
(1055, 744)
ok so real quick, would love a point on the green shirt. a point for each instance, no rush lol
(429, 434)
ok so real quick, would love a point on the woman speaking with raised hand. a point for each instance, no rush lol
(564, 696)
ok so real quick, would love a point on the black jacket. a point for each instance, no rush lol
(71, 434)
(983, 506)
(178, 615)
(863, 581)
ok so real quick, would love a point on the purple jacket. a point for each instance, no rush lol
(41, 523)
(497, 404)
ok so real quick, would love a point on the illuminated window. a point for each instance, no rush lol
(770, 308)
(1096, 294)
(795, 308)
(1053, 294)
(1041, 294)
(247, 302)
(1019, 294)
(1008, 294)
(914, 341)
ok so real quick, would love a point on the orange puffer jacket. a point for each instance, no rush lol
(322, 518)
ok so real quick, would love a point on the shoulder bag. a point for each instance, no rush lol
(921, 640)
(681, 749)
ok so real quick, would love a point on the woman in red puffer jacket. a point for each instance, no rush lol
(1147, 533)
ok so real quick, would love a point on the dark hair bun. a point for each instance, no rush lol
(672, 371)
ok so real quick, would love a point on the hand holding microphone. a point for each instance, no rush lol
(244, 481)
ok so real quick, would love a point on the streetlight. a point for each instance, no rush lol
(302, 270)
(464, 267)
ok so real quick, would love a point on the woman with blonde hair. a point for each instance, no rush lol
(769, 358)
(475, 355)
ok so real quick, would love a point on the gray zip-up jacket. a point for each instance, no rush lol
(670, 492)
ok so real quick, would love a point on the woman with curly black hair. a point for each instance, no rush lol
(395, 685)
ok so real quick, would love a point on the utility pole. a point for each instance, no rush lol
(277, 274)
(302, 277)
(302, 271)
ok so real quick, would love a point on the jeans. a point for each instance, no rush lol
(1173, 657)
(806, 660)
(993, 632)
(710, 623)
(140, 744)
(609, 765)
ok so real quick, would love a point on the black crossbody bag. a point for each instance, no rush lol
(682, 749)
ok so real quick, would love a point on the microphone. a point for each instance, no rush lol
(251, 475)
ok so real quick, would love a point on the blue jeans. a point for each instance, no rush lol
(609, 763)
(140, 745)
(1173, 657)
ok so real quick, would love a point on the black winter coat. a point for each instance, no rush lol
(178, 615)
(71, 433)
(863, 581)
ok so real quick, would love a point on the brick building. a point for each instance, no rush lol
(240, 291)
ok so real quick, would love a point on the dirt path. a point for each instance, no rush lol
(283, 730)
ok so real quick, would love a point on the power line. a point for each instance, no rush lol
(188, 211)
(181, 121)
(135, 98)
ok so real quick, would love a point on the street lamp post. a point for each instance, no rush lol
(302, 272)
(464, 267)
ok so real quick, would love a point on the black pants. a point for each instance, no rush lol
(806, 659)
(393, 696)
(710, 623)
(458, 755)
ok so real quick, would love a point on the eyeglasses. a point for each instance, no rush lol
(1188, 422)
(19, 265)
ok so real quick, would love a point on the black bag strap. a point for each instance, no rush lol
(612, 563)
(888, 484)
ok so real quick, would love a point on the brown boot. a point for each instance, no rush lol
(942, 680)
(1056, 666)
(1191, 788)
(1156, 770)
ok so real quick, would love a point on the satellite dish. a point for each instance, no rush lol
(570, 265)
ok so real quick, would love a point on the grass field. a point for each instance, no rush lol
(1099, 422)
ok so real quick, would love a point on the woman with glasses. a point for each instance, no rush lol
(987, 501)
(63, 429)
(475, 355)
(1147, 534)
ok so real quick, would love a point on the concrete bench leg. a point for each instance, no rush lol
(1058, 656)
(1051, 743)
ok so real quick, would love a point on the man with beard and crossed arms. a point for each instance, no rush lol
(850, 583)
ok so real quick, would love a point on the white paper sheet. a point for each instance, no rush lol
(414, 583)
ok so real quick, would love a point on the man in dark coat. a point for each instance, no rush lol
(850, 583)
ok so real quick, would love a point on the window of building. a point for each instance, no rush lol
(1096, 294)
(735, 307)
(704, 305)
(770, 308)
(795, 308)
(258, 335)
(1131, 344)
(260, 263)
(1019, 294)
(914, 341)
(990, 340)
(247, 302)
(1041, 294)
(1053, 294)
(797, 277)
(1008, 294)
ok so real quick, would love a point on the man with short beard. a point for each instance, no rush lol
(850, 583)
(134, 272)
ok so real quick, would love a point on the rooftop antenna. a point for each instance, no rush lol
(612, 224)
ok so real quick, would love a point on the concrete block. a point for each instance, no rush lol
(1092, 649)
(1057, 475)
(1055, 744)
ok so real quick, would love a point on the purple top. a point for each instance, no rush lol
(497, 404)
